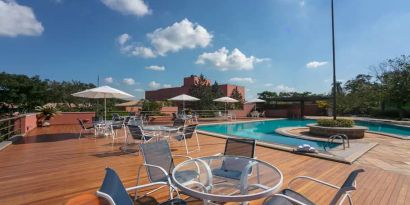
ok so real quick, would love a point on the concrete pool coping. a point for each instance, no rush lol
(334, 154)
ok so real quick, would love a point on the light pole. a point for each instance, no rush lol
(334, 63)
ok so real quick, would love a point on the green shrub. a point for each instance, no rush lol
(335, 123)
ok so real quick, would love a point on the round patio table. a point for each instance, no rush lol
(228, 178)
(159, 128)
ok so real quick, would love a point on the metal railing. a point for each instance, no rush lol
(199, 113)
(8, 127)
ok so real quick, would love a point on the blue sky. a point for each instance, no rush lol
(136, 45)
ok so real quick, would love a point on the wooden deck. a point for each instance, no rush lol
(53, 166)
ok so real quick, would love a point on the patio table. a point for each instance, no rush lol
(160, 129)
(215, 183)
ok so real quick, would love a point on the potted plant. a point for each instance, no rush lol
(46, 112)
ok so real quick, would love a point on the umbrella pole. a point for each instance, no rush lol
(105, 108)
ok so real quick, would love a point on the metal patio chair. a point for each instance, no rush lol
(159, 163)
(291, 197)
(138, 136)
(113, 190)
(85, 128)
(236, 147)
(187, 133)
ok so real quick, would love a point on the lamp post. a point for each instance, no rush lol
(334, 63)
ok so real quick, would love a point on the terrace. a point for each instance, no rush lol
(51, 166)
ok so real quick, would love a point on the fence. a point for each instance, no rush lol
(9, 127)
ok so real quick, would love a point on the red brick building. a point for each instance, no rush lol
(166, 93)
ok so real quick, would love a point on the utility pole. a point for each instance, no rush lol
(334, 63)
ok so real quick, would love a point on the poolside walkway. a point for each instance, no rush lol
(53, 166)
(391, 154)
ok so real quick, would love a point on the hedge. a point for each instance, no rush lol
(335, 123)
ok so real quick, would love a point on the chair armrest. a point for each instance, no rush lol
(177, 155)
(290, 199)
(219, 154)
(158, 167)
(314, 180)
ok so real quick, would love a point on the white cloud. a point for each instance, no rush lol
(283, 88)
(316, 64)
(144, 52)
(178, 36)
(16, 19)
(166, 85)
(123, 38)
(128, 81)
(268, 84)
(154, 85)
(108, 80)
(139, 90)
(128, 7)
(223, 60)
(155, 67)
(241, 80)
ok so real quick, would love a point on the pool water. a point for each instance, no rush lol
(385, 128)
(265, 131)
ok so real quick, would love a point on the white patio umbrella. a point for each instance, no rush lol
(103, 92)
(226, 100)
(256, 100)
(183, 98)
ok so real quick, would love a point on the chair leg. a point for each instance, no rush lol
(79, 136)
(186, 145)
(197, 141)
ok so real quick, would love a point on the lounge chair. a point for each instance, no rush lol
(85, 128)
(187, 133)
(236, 147)
(159, 163)
(291, 197)
(113, 190)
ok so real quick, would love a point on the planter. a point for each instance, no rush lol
(355, 132)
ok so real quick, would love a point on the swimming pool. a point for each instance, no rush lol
(386, 128)
(265, 131)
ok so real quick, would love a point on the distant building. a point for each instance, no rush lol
(166, 93)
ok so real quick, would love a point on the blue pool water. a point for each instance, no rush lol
(386, 128)
(265, 131)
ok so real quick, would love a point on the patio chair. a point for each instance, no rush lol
(236, 147)
(187, 133)
(113, 190)
(138, 135)
(159, 163)
(85, 128)
(115, 126)
(116, 117)
(291, 197)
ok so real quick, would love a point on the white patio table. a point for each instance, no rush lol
(220, 181)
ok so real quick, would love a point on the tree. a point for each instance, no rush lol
(202, 89)
(237, 96)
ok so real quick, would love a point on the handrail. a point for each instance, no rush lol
(8, 127)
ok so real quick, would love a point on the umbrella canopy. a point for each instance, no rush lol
(183, 98)
(103, 92)
(226, 100)
(256, 100)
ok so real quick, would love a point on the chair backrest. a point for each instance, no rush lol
(240, 147)
(136, 121)
(174, 116)
(159, 154)
(136, 132)
(348, 185)
(81, 124)
(115, 117)
(189, 130)
(126, 120)
(178, 123)
(113, 190)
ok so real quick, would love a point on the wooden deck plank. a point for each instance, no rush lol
(54, 166)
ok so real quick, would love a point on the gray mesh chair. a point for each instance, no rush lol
(187, 133)
(159, 163)
(113, 190)
(85, 128)
(236, 147)
(291, 197)
(138, 136)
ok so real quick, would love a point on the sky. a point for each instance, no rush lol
(138, 45)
